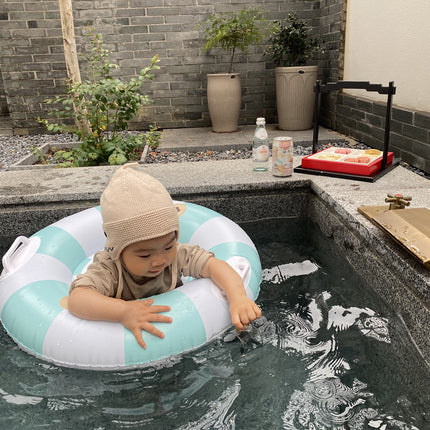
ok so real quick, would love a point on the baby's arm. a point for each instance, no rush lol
(136, 315)
(242, 309)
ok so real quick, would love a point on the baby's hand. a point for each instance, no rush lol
(139, 314)
(243, 312)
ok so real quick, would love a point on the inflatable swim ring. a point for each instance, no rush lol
(38, 271)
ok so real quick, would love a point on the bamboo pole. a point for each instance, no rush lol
(70, 52)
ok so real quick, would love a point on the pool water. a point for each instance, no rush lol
(327, 354)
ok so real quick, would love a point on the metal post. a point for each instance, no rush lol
(391, 91)
(317, 90)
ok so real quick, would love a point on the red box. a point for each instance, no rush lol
(346, 160)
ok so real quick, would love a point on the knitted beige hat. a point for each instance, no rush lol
(135, 207)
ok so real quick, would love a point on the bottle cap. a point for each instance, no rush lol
(261, 120)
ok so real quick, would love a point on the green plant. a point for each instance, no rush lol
(106, 104)
(291, 44)
(232, 31)
(38, 153)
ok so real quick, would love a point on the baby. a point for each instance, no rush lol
(142, 257)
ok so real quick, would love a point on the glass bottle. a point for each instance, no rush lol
(260, 147)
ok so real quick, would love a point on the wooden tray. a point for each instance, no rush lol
(409, 227)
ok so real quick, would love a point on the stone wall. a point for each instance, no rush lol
(33, 69)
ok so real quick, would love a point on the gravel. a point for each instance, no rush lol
(14, 148)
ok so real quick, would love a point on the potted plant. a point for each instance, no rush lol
(230, 32)
(291, 47)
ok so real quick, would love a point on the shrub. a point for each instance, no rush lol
(291, 44)
(105, 105)
(231, 31)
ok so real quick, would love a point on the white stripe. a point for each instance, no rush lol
(212, 307)
(72, 341)
(219, 230)
(211, 302)
(39, 268)
(86, 228)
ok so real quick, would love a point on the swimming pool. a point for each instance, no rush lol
(328, 354)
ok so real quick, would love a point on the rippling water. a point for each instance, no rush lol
(327, 354)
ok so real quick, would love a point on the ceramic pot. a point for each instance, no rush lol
(295, 98)
(224, 99)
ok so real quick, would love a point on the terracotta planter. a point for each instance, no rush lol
(224, 100)
(295, 98)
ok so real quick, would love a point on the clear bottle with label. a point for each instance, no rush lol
(260, 147)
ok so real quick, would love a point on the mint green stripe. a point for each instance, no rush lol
(30, 311)
(59, 244)
(184, 333)
(192, 219)
(226, 250)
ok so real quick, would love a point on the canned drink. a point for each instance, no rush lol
(282, 156)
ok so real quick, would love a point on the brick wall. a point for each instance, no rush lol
(332, 31)
(364, 120)
(33, 69)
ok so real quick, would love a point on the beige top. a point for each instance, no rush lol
(104, 276)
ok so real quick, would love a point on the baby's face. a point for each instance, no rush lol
(150, 257)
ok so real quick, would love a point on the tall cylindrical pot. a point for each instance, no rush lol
(295, 98)
(224, 100)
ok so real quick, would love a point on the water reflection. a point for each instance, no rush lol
(311, 328)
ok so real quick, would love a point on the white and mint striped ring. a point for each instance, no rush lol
(38, 271)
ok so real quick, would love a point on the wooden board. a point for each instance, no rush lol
(409, 227)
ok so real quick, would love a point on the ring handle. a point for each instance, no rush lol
(21, 250)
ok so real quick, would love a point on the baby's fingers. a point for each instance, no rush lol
(139, 339)
(245, 315)
(160, 308)
(236, 320)
(256, 312)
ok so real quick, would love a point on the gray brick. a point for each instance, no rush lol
(421, 149)
(144, 3)
(86, 15)
(136, 12)
(396, 127)
(40, 5)
(357, 114)
(402, 115)
(375, 120)
(379, 108)
(158, 37)
(364, 128)
(161, 11)
(364, 105)
(26, 16)
(415, 132)
(349, 100)
(133, 29)
(422, 119)
(401, 142)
